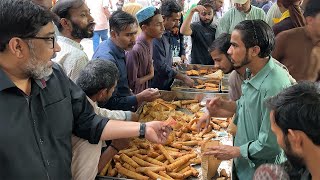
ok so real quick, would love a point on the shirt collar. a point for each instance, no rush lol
(70, 42)
(5, 81)
(257, 80)
(119, 53)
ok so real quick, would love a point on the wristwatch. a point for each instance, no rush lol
(142, 130)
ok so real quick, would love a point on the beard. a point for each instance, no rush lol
(37, 69)
(295, 161)
(206, 22)
(244, 62)
(81, 33)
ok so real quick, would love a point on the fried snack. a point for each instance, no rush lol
(211, 85)
(105, 169)
(142, 162)
(188, 143)
(143, 151)
(201, 86)
(171, 149)
(203, 71)
(184, 102)
(192, 73)
(116, 158)
(223, 173)
(175, 175)
(216, 75)
(134, 148)
(195, 173)
(224, 124)
(170, 138)
(113, 172)
(187, 168)
(182, 167)
(194, 107)
(129, 173)
(153, 154)
(141, 156)
(127, 166)
(131, 153)
(196, 160)
(177, 103)
(154, 176)
(179, 162)
(161, 158)
(187, 173)
(144, 145)
(165, 153)
(128, 160)
(162, 173)
(153, 161)
(211, 88)
(153, 169)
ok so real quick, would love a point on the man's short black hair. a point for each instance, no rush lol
(257, 33)
(21, 18)
(298, 108)
(147, 21)
(221, 43)
(312, 8)
(209, 3)
(97, 75)
(120, 20)
(168, 7)
(62, 10)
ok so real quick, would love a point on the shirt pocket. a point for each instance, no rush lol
(60, 117)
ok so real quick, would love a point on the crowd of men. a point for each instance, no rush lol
(59, 107)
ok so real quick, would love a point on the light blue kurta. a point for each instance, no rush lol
(233, 17)
(258, 144)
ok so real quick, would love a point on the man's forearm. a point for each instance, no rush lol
(120, 129)
(105, 157)
(144, 79)
(185, 27)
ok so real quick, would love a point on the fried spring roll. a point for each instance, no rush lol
(165, 153)
(153, 169)
(128, 160)
(154, 176)
(142, 162)
(153, 161)
(129, 173)
(163, 173)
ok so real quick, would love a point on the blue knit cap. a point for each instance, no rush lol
(145, 13)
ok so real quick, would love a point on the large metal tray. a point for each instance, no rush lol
(202, 97)
(187, 67)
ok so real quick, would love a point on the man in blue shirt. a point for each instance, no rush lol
(123, 32)
(164, 74)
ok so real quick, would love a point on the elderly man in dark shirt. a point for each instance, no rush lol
(123, 28)
(39, 106)
(164, 74)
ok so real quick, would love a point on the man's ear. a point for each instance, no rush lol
(255, 51)
(113, 33)
(144, 27)
(66, 24)
(17, 47)
(295, 138)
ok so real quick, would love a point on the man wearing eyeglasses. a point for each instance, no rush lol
(74, 23)
(252, 42)
(40, 107)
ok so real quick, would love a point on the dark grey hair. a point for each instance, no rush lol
(98, 75)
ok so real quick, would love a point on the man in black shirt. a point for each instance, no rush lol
(202, 33)
(39, 106)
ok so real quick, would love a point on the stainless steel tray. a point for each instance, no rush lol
(202, 97)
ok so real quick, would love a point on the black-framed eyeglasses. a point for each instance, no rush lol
(52, 39)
